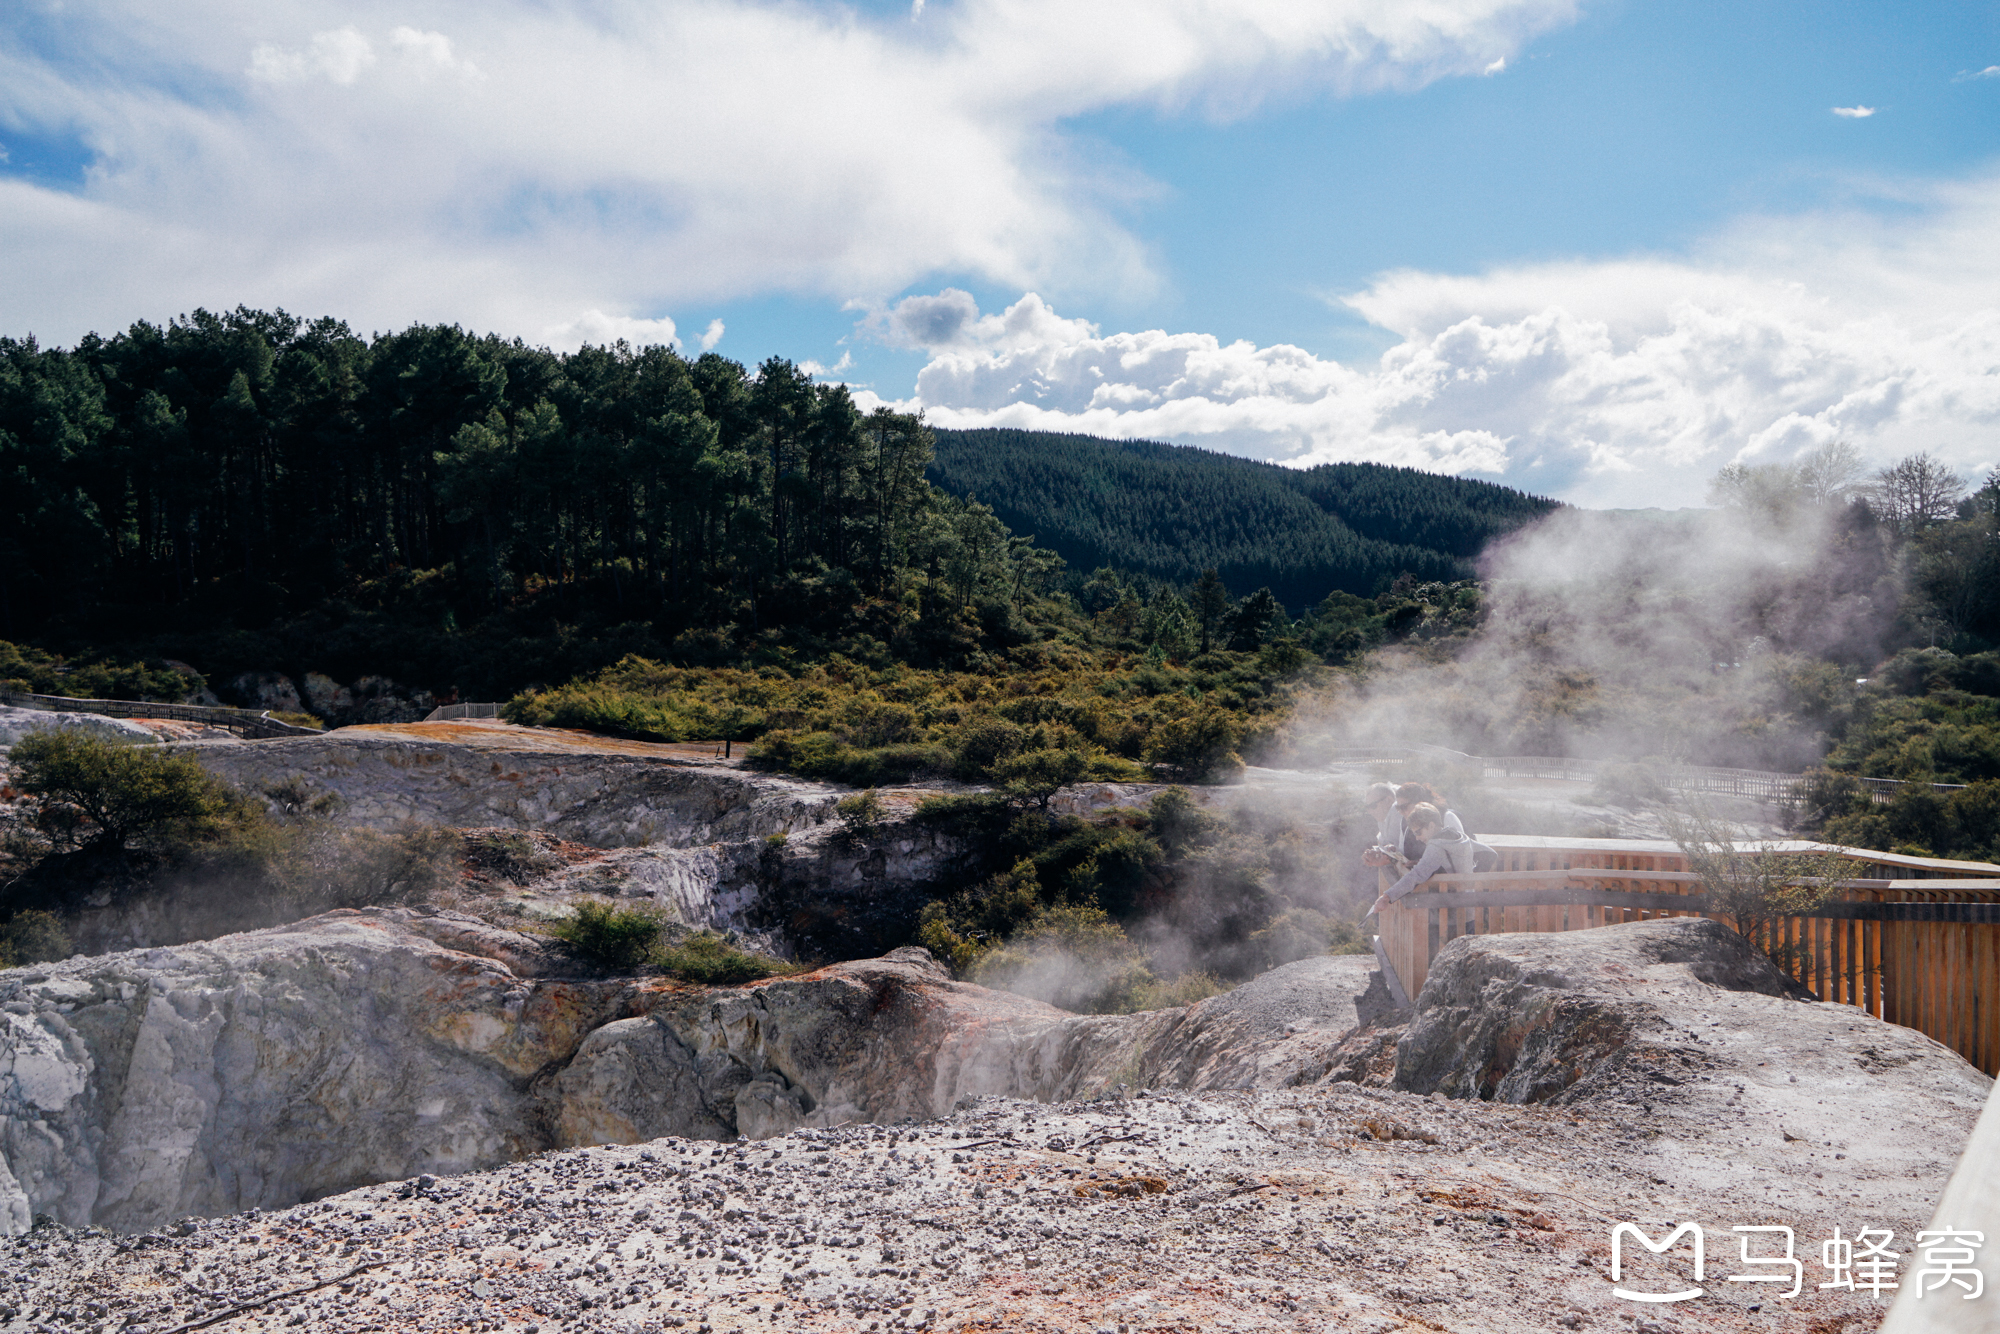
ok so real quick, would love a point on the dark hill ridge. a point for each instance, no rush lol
(1171, 511)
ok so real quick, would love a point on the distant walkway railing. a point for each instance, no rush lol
(448, 713)
(1924, 953)
(1680, 777)
(247, 722)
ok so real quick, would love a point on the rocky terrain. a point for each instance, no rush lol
(707, 841)
(417, 1118)
(926, 1154)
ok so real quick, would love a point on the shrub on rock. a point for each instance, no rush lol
(620, 939)
(104, 795)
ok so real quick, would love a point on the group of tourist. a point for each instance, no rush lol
(1417, 831)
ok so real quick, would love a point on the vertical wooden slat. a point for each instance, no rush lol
(1989, 975)
(1926, 966)
(1950, 987)
(1871, 961)
(1894, 983)
(1851, 950)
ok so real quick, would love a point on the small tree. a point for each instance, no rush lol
(861, 814)
(1756, 887)
(1197, 746)
(1033, 777)
(106, 796)
(1917, 492)
(1211, 600)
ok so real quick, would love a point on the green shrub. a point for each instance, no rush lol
(34, 672)
(861, 814)
(1035, 776)
(109, 796)
(312, 721)
(613, 938)
(1197, 747)
(708, 958)
(33, 936)
(1071, 955)
(1178, 824)
(936, 934)
(822, 755)
(871, 725)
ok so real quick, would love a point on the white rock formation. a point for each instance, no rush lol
(265, 1068)
(606, 800)
(17, 723)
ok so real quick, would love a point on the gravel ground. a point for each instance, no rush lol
(1334, 1208)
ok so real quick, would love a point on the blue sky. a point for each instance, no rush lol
(1596, 250)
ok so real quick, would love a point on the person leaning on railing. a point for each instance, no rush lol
(1447, 849)
(1412, 795)
(1381, 808)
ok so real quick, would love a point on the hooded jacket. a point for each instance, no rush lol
(1449, 852)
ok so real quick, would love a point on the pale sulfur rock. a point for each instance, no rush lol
(17, 723)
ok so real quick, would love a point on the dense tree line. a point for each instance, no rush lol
(1170, 512)
(248, 488)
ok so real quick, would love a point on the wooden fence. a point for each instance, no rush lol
(248, 722)
(1919, 946)
(450, 713)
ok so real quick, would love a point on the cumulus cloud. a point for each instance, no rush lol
(600, 330)
(1854, 113)
(433, 48)
(509, 163)
(339, 56)
(1622, 382)
(711, 335)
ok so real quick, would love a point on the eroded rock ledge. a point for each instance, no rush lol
(260, 1069)
(602, 797)
(275, 1066)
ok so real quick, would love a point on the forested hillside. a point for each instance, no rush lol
(255, 491)
(1170, 512)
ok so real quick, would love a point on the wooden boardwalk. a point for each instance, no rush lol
(247, 722)
(1918, 946)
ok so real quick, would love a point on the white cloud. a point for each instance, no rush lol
(1854, 113)
(1622, 382)
(634, 157)
(711, 335)
(433, 48)
(1497, 66)
(339, 55)
(819, 370)
(1990, 72)
(600, 330)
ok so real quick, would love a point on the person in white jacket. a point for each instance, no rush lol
(1381, 808)
(1447, 849)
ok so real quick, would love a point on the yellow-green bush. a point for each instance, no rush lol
(1102, 716)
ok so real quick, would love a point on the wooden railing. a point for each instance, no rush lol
(248, 722)
(450, 713)
(1921, 952)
